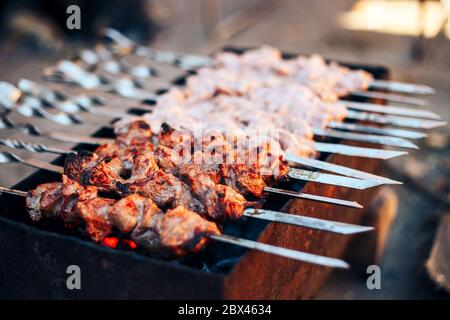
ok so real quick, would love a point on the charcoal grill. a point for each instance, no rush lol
(35, 256)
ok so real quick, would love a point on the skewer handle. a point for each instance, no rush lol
(13, 191)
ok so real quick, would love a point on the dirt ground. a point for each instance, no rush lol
(310, 27)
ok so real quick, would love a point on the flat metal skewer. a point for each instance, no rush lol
(8, 157)
(313, 197)
(331, 179)
(271, 249)
(66, 103)
(375, 139)
(394, 132)
(283, 252)
(395, 120)
(391, 109)
(358, 151)
(331, 167)
(308, 222)
(390, 97)
(12, 99)
(401, 87)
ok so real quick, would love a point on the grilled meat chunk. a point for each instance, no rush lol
(166, 190)
(183, 231)
(89, 169)
(72, 192)
(94, 213)
(163, 157)
(244, 179)
(77, 163)
(44, 201)
(144, 165)
(222, 202)
(134, 133)
(104, 174)
(108, 150)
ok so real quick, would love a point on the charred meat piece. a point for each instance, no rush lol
(133, 211)
(76, 163)
(134, 133)
(108, 150)
(44, 201)
(271, 166)
(166, 190)
(94, 213)
(140, 217)
(163, 157)
(199, 178)
(181, 141)
(244, 179)
(183, 231)
(88, 168)
(222, 202)
(130, 152)
(72, 192)
(104, 175)
(144, 165)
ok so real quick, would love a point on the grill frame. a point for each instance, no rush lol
(35, 257)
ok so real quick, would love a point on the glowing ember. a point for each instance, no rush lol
(130, 243)
(114, 242)
(111, 242)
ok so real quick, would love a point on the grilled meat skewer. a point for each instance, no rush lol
(179, 227)
(177, 232)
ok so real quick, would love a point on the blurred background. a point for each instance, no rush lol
(409, 37)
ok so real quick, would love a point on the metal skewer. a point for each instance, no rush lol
(346, 171)
(401, 87)
(358, 151)
(390, 97)
(12, 99)
(283, 252)
(288, 253)
(394, 132)
(8, 157)
(391, 109)
(313, 197)
(308, 222)
(375, 139)
(395, 120)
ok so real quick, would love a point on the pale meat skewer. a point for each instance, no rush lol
(83, 103)
(124, 46)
